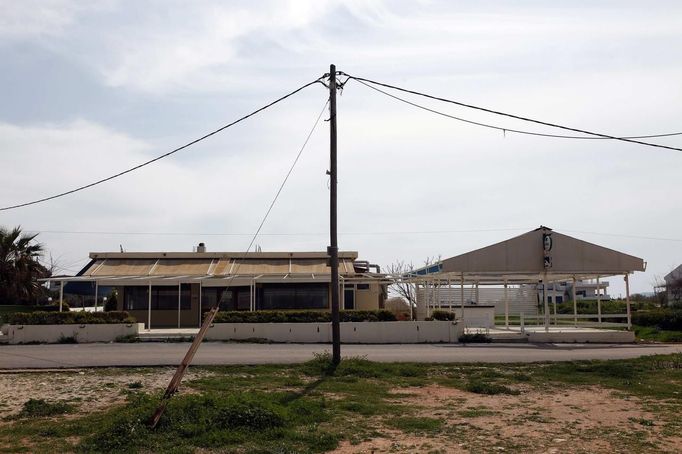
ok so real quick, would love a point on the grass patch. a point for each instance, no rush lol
(40, 408)
(312, 407)
(475, 412)
(648, 333)
(481, 387)
(417, 425)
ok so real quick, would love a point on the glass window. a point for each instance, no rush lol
(294, 296)
(136, 298)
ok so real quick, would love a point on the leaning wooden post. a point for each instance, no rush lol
(627, 300)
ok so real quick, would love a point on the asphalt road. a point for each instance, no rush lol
(218, 353)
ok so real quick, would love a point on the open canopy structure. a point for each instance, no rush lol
(541, 255)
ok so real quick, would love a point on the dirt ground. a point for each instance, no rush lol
(92, 389)
(575, 421)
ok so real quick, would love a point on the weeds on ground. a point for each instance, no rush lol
(313, 406)
(38, 408)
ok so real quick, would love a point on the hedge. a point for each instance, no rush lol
(302, 316)
(667, 319)
(442, 315)
(67, 318)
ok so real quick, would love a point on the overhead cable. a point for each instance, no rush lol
(165, 155)
(505, 130)
(517, 117)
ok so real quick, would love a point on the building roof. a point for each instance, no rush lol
(673, 275)
(522, 258)
(218, 264)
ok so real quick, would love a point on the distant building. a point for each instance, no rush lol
(673, 286)
(586, 290)
(174, 289)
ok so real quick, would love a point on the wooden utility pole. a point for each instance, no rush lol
(333, 249)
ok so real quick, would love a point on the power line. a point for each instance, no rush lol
(182, 367)
(187, 145)
(505, 130)
(517, 117)
(367, 233)
(272, 233)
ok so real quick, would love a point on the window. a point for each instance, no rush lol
(363, 286)
(293, 296)
(136, 298)
(349, 299)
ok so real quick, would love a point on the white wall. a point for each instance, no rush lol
(408, 332)
(106, 332)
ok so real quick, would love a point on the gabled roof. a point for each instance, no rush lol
(673, 275)
(524, 255)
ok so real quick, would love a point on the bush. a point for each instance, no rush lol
(112, 302)
(302, 316)
(665, 319)
(472, 338)
(68, 318)
(39, 407)
(442, 315)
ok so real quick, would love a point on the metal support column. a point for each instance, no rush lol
(96, 294)
(179, 301)
(149, 306)
(627, 300)
(506, 306)
(546, 301)
(598, 301)
(461, 294)
(575, 305)
(61, 295)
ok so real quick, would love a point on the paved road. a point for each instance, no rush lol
(217, 353)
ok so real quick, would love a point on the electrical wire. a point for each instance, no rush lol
(517, 117)
(506, 130)
(374, 233)
(165, 155)
(177, 378)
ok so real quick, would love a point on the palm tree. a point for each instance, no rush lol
(20, 267)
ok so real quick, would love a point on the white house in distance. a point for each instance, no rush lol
(673, 286)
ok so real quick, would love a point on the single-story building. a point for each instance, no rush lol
(173, 289)
(518, 269)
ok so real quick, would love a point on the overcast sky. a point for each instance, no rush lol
(88, 89)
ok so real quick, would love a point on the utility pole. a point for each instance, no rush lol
(333, 250)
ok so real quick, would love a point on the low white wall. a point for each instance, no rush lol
(599, 337)
(476, 316)
(106, 332)
(351, 332)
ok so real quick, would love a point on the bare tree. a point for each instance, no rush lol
(401, 287)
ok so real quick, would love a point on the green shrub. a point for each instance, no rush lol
(34, 408)
(479, 387)
(473, 338)
(442, 315)
(302, 316)
(665, 319)
(67, 318)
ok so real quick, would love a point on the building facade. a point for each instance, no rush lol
(174, 289)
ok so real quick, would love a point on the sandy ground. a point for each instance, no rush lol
(90, 389)
(572, 420)
(575, 421)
